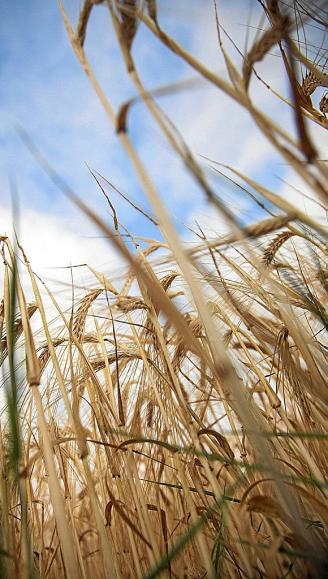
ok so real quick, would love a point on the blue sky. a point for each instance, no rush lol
(44, 90)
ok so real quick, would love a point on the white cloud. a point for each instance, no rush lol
(52, 245)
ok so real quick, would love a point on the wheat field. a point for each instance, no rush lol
(171, 421)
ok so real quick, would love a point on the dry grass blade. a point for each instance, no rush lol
(265, 505)
(152, 9)
(165, 90)
(129, 22)
(172, 421)
(84, 19)
(264, 44)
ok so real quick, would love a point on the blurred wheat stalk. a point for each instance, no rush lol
(150, 436)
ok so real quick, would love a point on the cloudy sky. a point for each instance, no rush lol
(44, 90)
